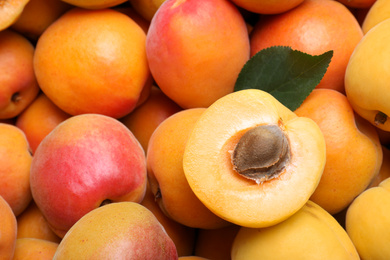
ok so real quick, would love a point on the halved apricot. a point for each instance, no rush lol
(10, 11)
(252, 161)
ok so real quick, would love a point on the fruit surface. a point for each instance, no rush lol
(122, 230)
(353, 150)
(86, 161)
(252, 161)
(166, 175)
(37, 15)
(191, 57)
(366, 76)
(18, 83)
(183, 236)
(314, 27)
(267, 7)
(144, 119)
(95, 4)
(92, 61)
(377, 13)
(33, 248)
(368, 222)
(15, 162)
(8, 230)
(39, 119)
(10, 10)
(311, 233)
(32, 224)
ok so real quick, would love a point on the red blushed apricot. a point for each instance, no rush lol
(196, 49)
(231, 165)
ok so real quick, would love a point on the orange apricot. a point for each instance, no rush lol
(252, 161)
(32, 224)
(313, 27)
(15, 162)
(353, 150)
(92, 61)
(8, 229)
(183, 236)
(166, 176)
(37, 15)
(95, 4)
(196, 50)
(39, 119)
(33, 248)
(144, 119)
(267, 7)
(19, 86)
(10, 10)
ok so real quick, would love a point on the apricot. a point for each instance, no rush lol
(19, 86)
(191, 56)
(32, 224)
(166, 176)
(93, 61)
(15, 162)
(353, 150)
(267, 7)
(368, 222)
(367, 77)
(33, 248)
(252, 161)
(311, 233)
(37, 15)
(377, 13)
(39, 119)
(10, 10)
(121, 230)
(8, 229)
(313, 27)
(95, 4)
(145, 118)
(183, 236)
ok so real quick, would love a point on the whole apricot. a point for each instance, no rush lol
(8, 230)
(92, 61)
(311, 233)
(15, 163)
(377, 13)
(196, 49)
(313, 27)
(367, 77)
(19, 86)
(368, 221)
(34, 248)
(10, 10)
(252, 161)
(166, 175)
(348, 137)
(267, 7)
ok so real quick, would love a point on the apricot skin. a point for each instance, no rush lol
(353, 150)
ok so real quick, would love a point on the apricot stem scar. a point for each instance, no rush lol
(380, 118)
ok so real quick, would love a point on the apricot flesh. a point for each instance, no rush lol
(252, 203)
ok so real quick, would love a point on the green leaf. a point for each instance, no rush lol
(289, 75)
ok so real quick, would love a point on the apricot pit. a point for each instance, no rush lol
(261, 153)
